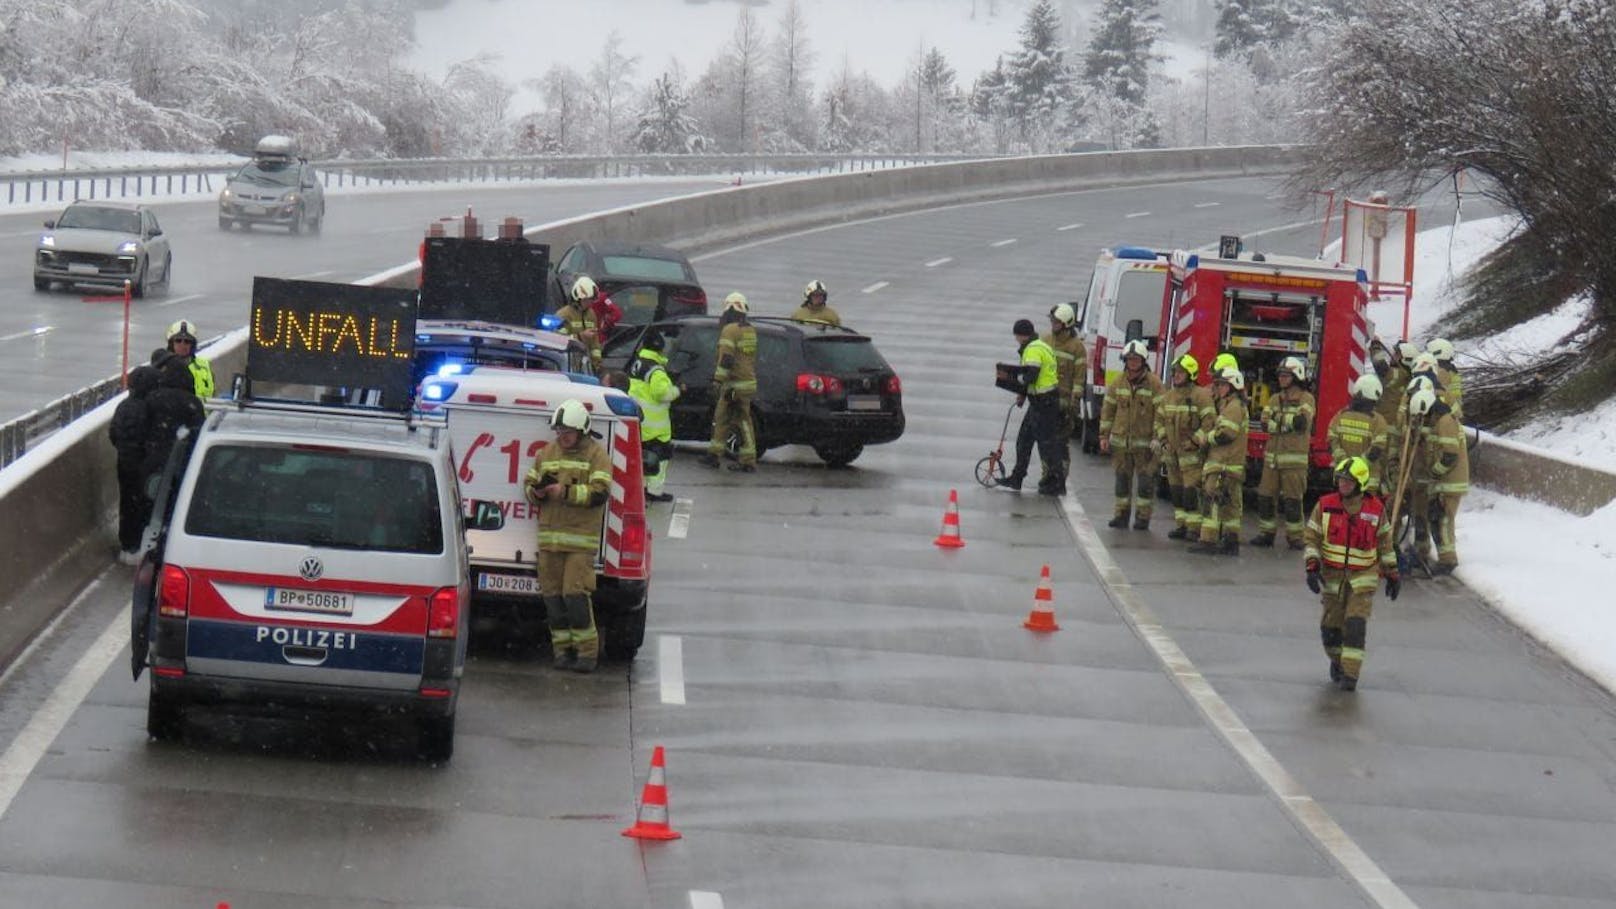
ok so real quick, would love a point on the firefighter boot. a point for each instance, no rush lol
(1206, 545)
(1348, 683)
(1292, 510)
(1266, 508)
(581, 618)
(1231, 544)
(1120, 521)
(1180, 530)
(563, 655)
(1335, 671)
(1141, 521)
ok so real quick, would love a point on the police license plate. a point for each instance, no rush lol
(325, 602)
(863, 402)
(507, 583)
(82, 268)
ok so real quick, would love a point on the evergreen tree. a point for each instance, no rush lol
(1122, 49)
(1245, 24)
(1038, 80)
(665, 127)
(989, 104)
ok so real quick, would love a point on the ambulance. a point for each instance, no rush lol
(498, 420)
(1124, 301)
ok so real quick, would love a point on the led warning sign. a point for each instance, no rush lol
(333, 335)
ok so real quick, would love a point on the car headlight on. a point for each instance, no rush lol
(225, 195)
(47, 241)
(129, 248)
(290, 198)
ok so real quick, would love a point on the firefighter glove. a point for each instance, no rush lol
(1315, 579)
(1394, 586)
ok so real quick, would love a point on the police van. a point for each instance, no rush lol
(498, 421)
(307, 554)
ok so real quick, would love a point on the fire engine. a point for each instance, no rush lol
(1259, 308)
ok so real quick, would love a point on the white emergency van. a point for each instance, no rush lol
(498, 419)
(1125, 301)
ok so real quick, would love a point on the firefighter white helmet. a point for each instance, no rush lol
(1407, 351)
(1233, 378)
(735, 302)
(815, 286)
(183, 330)
(1423, 363)
(1421, 400)
(1136, 348)
(1441, 348)
(1368, 387)
(583, 288)
(1064, 314)
(572, 414)
(1295, 367)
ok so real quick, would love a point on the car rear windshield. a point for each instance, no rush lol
(93, 218)
(644, 267)
(338, 499)
(843, 355)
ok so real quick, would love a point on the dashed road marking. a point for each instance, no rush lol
(679, 524)
(185, 299)
(1207, 204)
(1005, 242)
(671, 668)
(705, 899)
(30, 333)
(1137, 214)
(875, 287)
(1307, 813)
(1070, 226)
(936, 262)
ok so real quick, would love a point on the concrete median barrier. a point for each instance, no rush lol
(1532, 473)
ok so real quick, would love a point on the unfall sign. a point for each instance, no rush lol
(340, 335)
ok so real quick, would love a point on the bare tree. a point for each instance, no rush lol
(746, 50)
(610, 83)
(793, 57)
(566, 102)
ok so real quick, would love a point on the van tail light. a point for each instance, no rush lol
(174, 592)
(631, 543)
(893, 386)
(689, 300)
(812, 384)
(443, 613)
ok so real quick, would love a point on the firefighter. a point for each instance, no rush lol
(1288, 419)
(1349, 549)
(1071, 361)
(1359, 430)
(1182, 419)
(1128, 434)
(1041, 425)
(651, 386)
(1405, 482)
(1445, 467)
(181, 342)
(1394, 382)
(570, 480)
(734, 386)
(813, 308)
(1223, 469)
(578, 318)
(1448, 374)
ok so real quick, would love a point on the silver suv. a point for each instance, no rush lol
(277, 187)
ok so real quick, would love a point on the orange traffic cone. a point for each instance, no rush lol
(1042, 617)
(950, 537)
(651, 822)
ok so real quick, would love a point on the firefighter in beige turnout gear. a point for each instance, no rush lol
(1128, 434)
(1223, 469)
(1183, 420)
(1071, 363)
(570, 481)
(1288, 419)
(1358, 430)
(1348, 550)
(1444, 465)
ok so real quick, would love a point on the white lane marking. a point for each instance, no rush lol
(1005, 242)
(1207, 204)
(874, 287)
(679, 524)
(1308, 814)
(936, 262)
(1137, 214)
(185, 299)
(1070, 226)
(671, 668)
(51, 718)
(313, 274)
(30, 333)
(705, 899)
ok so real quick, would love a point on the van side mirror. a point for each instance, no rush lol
(1134, 330)
(485, 516)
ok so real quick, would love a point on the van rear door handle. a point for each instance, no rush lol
(304, 656)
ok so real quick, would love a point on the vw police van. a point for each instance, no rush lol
(310, 555)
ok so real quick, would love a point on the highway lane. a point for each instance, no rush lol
(53, 343)
(858, 718)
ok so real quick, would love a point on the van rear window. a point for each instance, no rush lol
(338, 499)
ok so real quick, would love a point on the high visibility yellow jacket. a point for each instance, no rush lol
(572, 522)
(1129, 414)
(1226, 451)
(576, 319)
(737, 359)
(1288, 420)
(825, 314)
(202, 376)
(650, 385)
(1184, 415)
(1071, 363)
(1038, 353)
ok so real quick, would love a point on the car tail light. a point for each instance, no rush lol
(631, 543)
(893, 386)
(443, 613)
(174, 592)
(815, 384)
(692, 299)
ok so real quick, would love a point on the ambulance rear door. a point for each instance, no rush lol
(493, 447)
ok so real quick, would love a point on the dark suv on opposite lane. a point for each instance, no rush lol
(825, 387)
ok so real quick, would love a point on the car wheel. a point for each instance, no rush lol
(317, 223)
(224, 223)
(839, 455)
(624, 637)
(435, 737)
(165, 716)
(168, 271)
(41, 283)
(137, 288)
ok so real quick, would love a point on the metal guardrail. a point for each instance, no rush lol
(142, 182)
(17, 436)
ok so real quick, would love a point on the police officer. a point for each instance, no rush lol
(1445, 465)
(734, 385)
(1358, 430)
(1041, 425)
(182, 344)
(1447, 375)
(1183, 417)
(578, 318)
(813, 308)
(1223, 469)
(570, 480)
(130, 433)
(651, 386)
(1071, 363)
(1348, 550)
(1288, 418)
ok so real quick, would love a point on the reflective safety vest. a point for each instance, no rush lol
(650, 385)
(572, 522)
(1355, 541)
(202, 377)
(1288, 418)
(1040, 354)
(737, 359)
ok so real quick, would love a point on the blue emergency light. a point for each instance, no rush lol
(622, 405)
(438, 391)
(550, 322)
(451, 369)
(1135, 252)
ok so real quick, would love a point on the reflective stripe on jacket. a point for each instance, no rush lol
(202, 376)
(1128, 416)
(1071, 362)
(1226, 441)
(572, 523)
(575, 321)
(1288, 419)
(1355, 539)
(649, 384)
(1038, 353)
(1446, 460)
(737, 358)
(1182, 413)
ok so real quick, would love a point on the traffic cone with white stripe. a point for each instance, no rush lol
(950, 537)
(651, 821)
(1042, 617)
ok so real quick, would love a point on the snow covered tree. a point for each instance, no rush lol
(1039, 83)
(665, 127)
(610, 83)
(792, 126)
(745, 61)
(1245, 24)
(990, 106)
(566, 102)
(1122, 49)
(482, 100)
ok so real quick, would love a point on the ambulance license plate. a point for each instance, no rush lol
(507, 583)
(863, 402)
(325, 602)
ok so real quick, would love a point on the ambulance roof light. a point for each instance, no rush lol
(1135, 252)
(1363, 276)
(438, 391)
